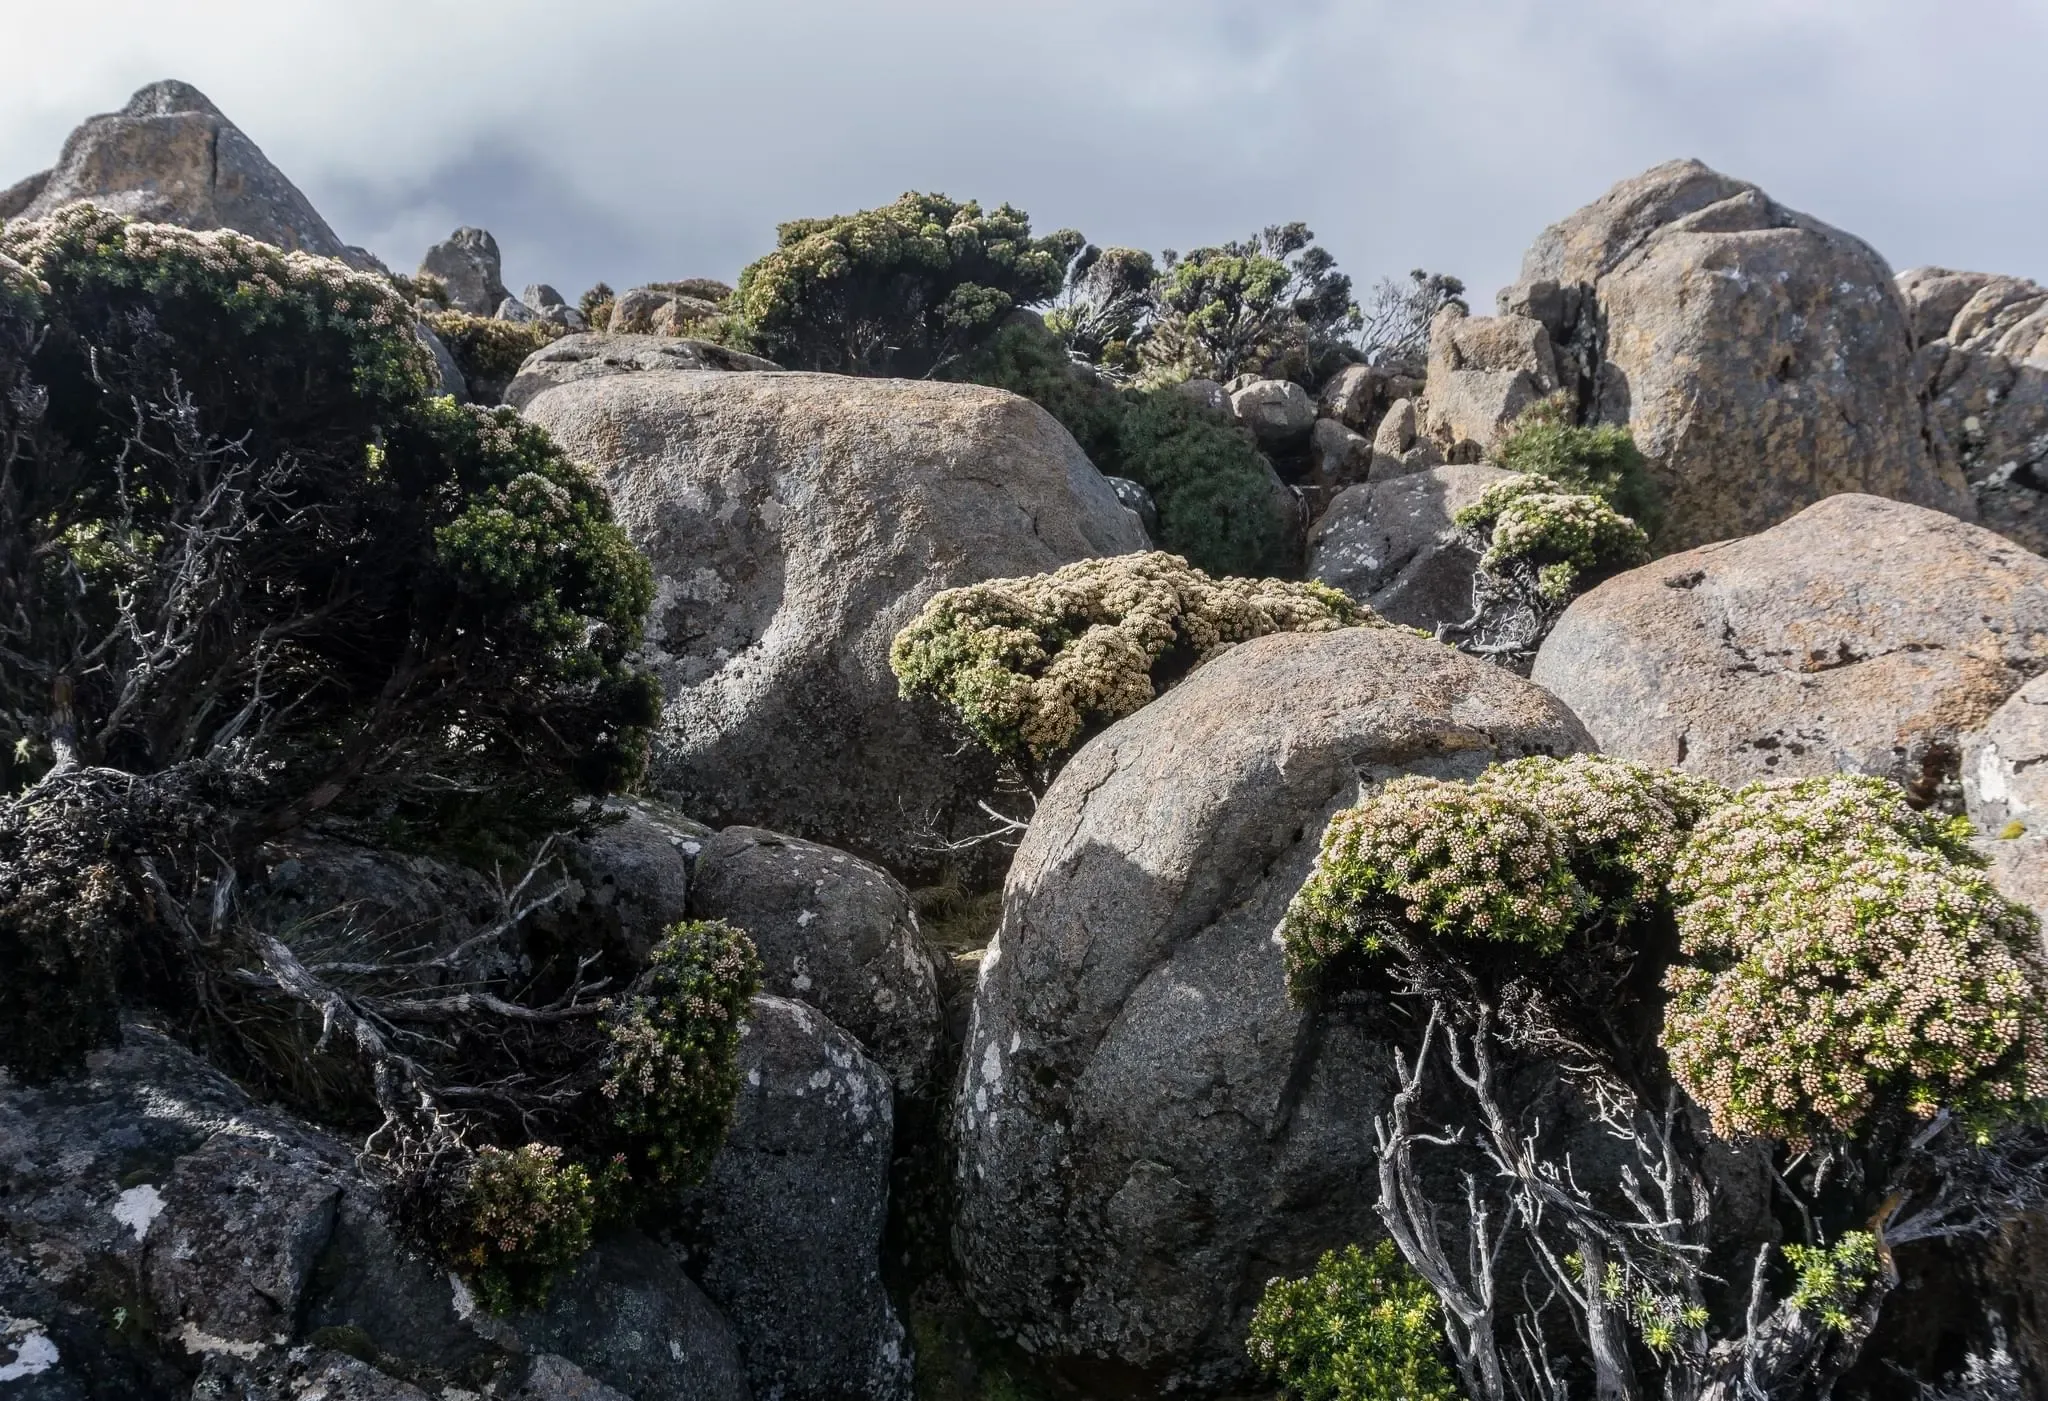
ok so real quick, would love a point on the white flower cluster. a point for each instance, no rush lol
(1563, 535)
(1845, 951)
(1030, 663)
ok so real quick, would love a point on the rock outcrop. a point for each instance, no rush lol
(157, 1227)
(834, 932)
(468, 266)
(1483, 372)
(1984, 365)
(1393, 545)
(1862, 635)
(796, 523)
(171, 157)
(1762, 360)
(789, 1225)
(593, 355)
(1149, 1129)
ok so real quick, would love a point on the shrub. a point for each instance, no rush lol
(1848, 961)
(524, 1214)
(1831, 1279)
(596, 306)
(1217, 497)
(1030, 664)
(900, 290)
(1601, 460)
(268, 577)
(1422, 861)
(1101, 316)
(1272, 304)
(669, 1072)
(488, 351)
(1359, 1328)
(1395, 320)
(1565, 541)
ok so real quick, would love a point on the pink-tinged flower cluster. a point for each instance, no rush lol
(1625, 823)
(1030, 663)
(1844, 953)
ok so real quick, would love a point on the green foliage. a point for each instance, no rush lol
(596, 306)
(899, 290)
(1569, 540)
(703, 289)
(670, 1077)
(1832, 1279)
(1218, 503)
(1848, 960)
(1271, 304)
(524, 1214)
(1360, 1328)
(488, 351)
(1602, 460)
(1031, 664)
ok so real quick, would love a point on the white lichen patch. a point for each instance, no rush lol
(138, 1208)
(33, 1355)
(197, 1341)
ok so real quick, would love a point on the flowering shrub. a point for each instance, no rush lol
(669, 1075)
(1029, 664)
(525, 1214)
(1568, 539)
(1625, 823)
(1360, 1328)
(1845, 955)
(1432, 860)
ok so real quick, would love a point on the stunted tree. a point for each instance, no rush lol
(253, 577)
(1393, 322)
(1101, 316)
(1271, 304)
(899, 290)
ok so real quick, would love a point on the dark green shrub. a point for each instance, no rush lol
(1032, 664)
(669, 1078)
(248, 566)
(488, 351)
(1219, 505)
(1360, 1328)
(1103, 314)
(596, 306)
(1601, 460)
(900, 290)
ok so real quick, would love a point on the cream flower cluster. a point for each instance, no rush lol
(1031, 663)
(1563, 535)
(1846, 951)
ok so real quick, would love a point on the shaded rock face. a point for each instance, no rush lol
(1149, 1129)
(171, 157)
(1393, 545)
(1984, 365)
(157, 1227)
(796, 523)
(595, 356)
(789, 1224)
(1762, 360)
(1278, 412)
(835, 932)
(1862, 636)
(468, 265)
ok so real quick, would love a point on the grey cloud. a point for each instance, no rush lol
(644, 138)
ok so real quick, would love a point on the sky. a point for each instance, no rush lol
(642, 140)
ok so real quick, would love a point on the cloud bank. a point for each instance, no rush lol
(638, 139)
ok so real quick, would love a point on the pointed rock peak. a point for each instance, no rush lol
(168, 98)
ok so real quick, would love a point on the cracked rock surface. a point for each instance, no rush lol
(796, 523)
(1149, 1128)
(1862, 635)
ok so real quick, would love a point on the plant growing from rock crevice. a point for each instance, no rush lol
(1359, 1327)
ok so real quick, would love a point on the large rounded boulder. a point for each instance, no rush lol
(1862, 636)
(1762, 359)
(796, 522)
(1149, 1128)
